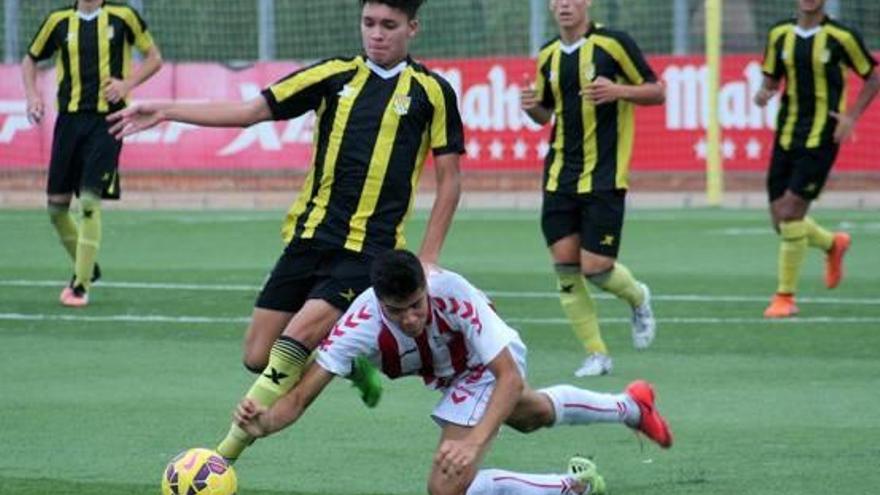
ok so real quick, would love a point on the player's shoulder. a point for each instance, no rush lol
(60, 13)
(549, 45)
(617, 35)
(447, 284)
(782, 24)
(423, 71)
(841, 27)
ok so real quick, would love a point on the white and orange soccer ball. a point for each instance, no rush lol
(199, 472)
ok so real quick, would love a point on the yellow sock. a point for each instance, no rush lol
(89, 240)
(580, 308)
(792, 251)
(620, 282)
(818, 236)
(65, 226)
(286, 362)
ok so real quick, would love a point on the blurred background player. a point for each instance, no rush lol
(589, 78)
(93, 40)
(442, 328)
(378, 115)
(810, 52)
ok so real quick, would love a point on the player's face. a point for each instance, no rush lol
(811, 6)
(570, 13)
(385, 33)
(410, 313)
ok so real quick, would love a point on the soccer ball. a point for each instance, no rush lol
(199, 472)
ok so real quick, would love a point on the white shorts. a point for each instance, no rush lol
(464, 401)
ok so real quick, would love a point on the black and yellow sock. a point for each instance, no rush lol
(792, 251)
(89, 240)
(578, 306)
(818, 236)
(65, 226)
(287, 359)
(620, 282)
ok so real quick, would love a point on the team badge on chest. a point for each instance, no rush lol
(401, 104)
(589, 71)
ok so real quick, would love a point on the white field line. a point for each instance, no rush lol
(132, 318)
(694, 298)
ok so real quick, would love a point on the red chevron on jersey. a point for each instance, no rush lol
(468, 309)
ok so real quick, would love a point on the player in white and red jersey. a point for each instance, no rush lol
(444, 329)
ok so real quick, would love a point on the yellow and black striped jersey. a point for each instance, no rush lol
(813, 63)
(591, 144)
(373, 130)
(91, 49)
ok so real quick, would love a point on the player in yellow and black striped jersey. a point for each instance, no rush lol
(589, 79)
(92, 42)
(378, 116)
(812, 54)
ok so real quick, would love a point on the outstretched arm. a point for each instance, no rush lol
(445, 203)
(259, 421)
(143, 116)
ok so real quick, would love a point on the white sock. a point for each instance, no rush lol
(577, 406)
(501, 482)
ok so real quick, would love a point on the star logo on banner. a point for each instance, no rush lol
(496, 150)
(728, 149)
(753, 149)
(520, 149)
(542, 148)
(700, 149)
(473, 149)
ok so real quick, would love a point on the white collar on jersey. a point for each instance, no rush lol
(386, 73)
(569, 49)
(807, 33)
(89, 17)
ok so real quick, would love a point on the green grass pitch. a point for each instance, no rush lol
(96, 401)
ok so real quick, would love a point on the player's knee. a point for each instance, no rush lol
(89, 201)
(255, 362)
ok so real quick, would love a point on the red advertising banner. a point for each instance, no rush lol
(498, 135)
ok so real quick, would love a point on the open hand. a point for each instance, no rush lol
(134, 119)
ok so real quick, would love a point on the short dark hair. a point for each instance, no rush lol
(397, 274)
(410, 7)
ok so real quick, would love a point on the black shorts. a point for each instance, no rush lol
(311, 270)
(85, 157)
(596, 216)
(803, 171)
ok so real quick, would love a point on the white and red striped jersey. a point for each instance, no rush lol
(463, 334)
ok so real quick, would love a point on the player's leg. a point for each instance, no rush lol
(63, 179)
(99, 153)
(582, 478)
(569, 405)
(808, 171)
(323, 283)
(833, 244)
(602, 214)
(560, 220)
